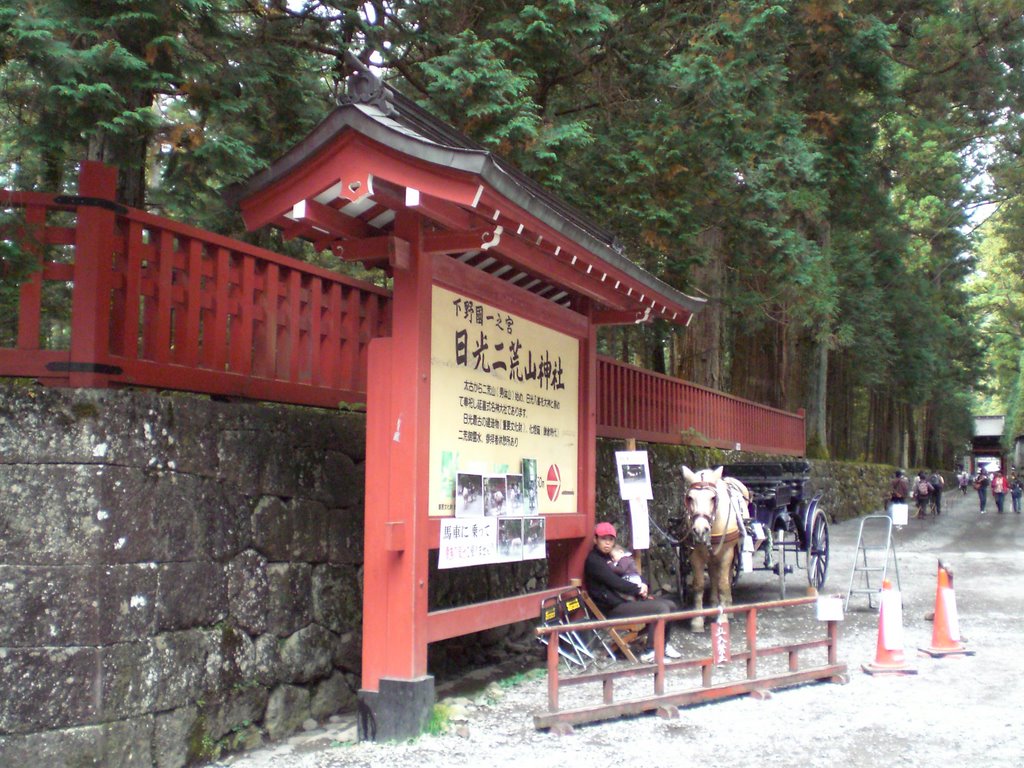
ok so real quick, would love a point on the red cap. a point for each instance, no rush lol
(604, 529)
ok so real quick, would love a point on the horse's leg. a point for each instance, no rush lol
(697, 563)
(714, 566)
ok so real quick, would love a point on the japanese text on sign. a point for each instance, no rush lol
(503, 388)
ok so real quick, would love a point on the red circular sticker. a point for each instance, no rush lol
(554, 482)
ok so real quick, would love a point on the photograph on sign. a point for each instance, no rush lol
(495, 494)
(510, 539)
(514, 498)
(470, 501)
(634, 475)
(447, 484)
(530, 485)
(534, 543)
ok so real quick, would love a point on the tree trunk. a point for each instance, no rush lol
(128, 153)
(698, 350)
(817, 397)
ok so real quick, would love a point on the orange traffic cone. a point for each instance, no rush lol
(889, 652)
(946, 630)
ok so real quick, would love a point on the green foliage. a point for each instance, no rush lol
(16, 266)
(521, 678)
(440, 718)
(812, 166)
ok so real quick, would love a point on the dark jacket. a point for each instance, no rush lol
(605, 587)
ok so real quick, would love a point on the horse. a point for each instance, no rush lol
(715, 508)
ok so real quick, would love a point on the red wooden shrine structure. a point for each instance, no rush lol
(461, 234)
(156, 303)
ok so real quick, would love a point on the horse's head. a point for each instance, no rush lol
(701, 501)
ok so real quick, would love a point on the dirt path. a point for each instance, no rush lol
(957, 711)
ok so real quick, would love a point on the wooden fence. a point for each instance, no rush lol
(136, 299)
(633, 402)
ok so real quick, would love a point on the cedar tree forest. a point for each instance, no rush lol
(843, 180)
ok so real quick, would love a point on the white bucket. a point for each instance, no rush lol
(899, 513)
(830, 608)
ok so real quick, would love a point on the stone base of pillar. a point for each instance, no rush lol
(399, 710)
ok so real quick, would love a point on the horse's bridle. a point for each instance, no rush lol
(703, 485)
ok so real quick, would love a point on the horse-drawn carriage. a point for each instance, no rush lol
(752, 516)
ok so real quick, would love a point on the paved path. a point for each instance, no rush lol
(956, 711)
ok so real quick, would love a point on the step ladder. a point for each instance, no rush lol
(875, 548)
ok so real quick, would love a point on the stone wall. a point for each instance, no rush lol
(181, 577)
(177, 576)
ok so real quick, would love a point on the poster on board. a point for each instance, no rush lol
(510, 539)
(634, 475)
(470, 499)
(534, 542)
(468, 541)
(495, 495)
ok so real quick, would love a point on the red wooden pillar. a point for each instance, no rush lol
(94, 258)
(570, 565)
(396, 688)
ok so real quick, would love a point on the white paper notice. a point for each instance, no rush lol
(469, 541)
(639, 523)
(634, 475)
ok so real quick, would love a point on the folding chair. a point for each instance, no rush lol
(577, 648)
(570, 646)
(620, 637)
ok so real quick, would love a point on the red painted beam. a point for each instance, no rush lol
(335, 222)
(455, 622)
(387, 248)
(458, 242)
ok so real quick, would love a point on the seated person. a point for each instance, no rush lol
(617, 597)
(625, 566)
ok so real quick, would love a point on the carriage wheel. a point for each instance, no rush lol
(817, 552)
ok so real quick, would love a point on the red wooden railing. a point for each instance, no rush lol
(122, 297)
(632, 402)
(160, 304)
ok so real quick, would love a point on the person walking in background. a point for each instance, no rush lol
(899, 488)
(922, 494)
(981, 486)
(962, 480)
(999, 489)
(1016, 491)
(937, 482)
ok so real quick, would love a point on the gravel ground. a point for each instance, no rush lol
(956, 711)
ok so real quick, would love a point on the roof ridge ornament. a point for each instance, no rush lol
(364, 87)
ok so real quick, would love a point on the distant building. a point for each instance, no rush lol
(987, 444)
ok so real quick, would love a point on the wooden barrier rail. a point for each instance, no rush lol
(151, 302)
(634, 403)
(664, 701)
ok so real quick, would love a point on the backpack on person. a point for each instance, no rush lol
(923, 488)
